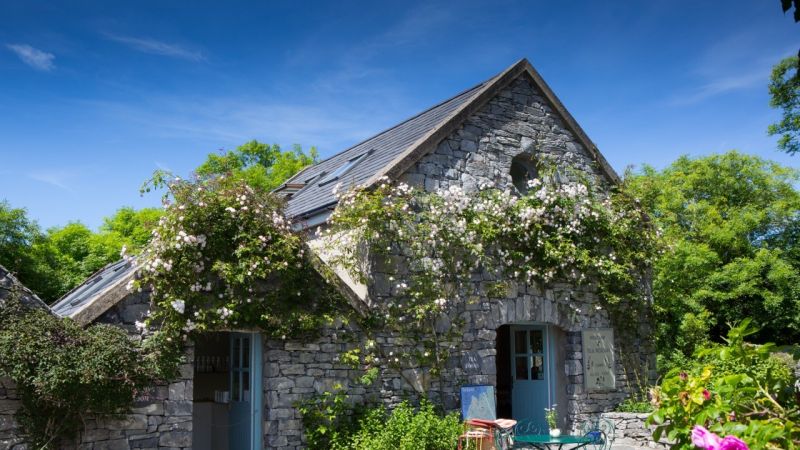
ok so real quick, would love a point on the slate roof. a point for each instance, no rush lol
(383, 148)
(392, 151)
(75, 300)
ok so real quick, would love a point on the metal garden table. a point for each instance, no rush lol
(547, 442)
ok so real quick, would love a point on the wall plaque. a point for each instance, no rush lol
(471, 363)
(598, 359)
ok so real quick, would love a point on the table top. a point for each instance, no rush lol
(547, 439)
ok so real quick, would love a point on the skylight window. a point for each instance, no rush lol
(343, 169)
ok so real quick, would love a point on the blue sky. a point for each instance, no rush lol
(94, 96)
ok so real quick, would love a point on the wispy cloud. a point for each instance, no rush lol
(57, 178)
(352, 68)
(156, 47)
(749, 79)
(38, 59)
(735, 63)
(230, 121)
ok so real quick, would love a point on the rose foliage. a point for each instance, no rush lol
(737, 389)
(224, 256)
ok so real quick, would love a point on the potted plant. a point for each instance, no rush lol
(551, 417)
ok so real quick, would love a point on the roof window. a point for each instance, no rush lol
(343, 169)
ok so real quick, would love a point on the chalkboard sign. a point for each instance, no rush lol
(598, 359)
(471, 363)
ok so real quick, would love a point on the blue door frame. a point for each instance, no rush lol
(245, 417)
(532, 387)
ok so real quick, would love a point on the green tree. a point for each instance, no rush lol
(19, 237)
(784, 91)
(261, 165)
(134, 226)
(730, 228)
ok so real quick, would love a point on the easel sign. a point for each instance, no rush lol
(599, 372)
(477, 402)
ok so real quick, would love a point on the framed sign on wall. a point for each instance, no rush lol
(598, 359)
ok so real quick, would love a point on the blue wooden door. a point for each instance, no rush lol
(530, 389)
(244, 417)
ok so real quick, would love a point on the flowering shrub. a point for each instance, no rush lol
(753, 403)
(432, 243)
(64, 373)
(224, 256)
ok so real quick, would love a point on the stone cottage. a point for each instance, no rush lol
(535, 347)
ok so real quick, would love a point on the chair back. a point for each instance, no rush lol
(601, 431)
(528, 426)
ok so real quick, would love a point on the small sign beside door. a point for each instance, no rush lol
(471, 363)
(598, 359)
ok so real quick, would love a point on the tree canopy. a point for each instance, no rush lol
(784, 91)
(730, 224)
(262, 166)
(54, 261)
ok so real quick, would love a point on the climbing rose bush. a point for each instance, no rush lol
(224, 256)
(431, 244)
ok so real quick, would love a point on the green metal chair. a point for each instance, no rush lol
(602, 432)
(528, 426)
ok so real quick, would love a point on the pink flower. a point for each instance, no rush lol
(732, 443)
(706, 394)
(705, 439)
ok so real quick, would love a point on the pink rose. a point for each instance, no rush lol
(703, 438)
(732, 443)
(706, 394)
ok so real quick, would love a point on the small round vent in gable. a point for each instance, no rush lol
(523, 169)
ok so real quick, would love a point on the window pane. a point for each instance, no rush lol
(246, 352)
(521, 368)
(235, 386)
(236, 352)
(537, 368)
(537, 343)
(246, 386)
(519, 342)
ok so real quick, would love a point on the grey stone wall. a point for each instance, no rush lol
(10, 434)
(631, 432)
(294, 371)
(162, 415)
(160, 419)
(517, 120)
(480, 152)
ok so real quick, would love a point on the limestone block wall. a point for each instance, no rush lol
(631, 432)
(160, 419)
(518, 119)
(10, 434)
